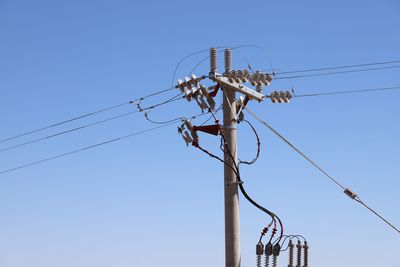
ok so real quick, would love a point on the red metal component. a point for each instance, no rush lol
(214, 93)
(211, 129)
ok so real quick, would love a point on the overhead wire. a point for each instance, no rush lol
(294, 147)
(85, 115)
(81, 149)
(345, 189)
(67, 131)
(85, 126)
(335, 72)
(350, 91)
(93, 146)
(339, 67)
(212, 116)
(146, 113)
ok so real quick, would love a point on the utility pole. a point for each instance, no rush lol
(232, 224)
(231, 82)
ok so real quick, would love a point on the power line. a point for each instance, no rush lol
(295, 148)
(346, 190)
(82, 149)
(95, 145)
(174, 98)
(336, 72)
(67, 131)
(351, 91)
(340, 67)
(88, 125)
(85, 115)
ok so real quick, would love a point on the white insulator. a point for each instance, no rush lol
(235, 76)
(268, 77)
(306, 247)
(231, 76)
(193, 79)
(280, 96)
(228, 60)
(193, 91)
(274, 261)
(273, 96)
(204, 90)
(187, 137)
(188, 95)
(287, 97)
(187, 82)
(181, 86)
(265, 78)
(213, 59)
(189, 126)
(242, 76)
(299, 247)
(261, 77)
(252, 81)
(203, 104)
(241, 100)
(211, 102)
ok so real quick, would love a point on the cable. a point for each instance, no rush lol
(85, 115)
(235, 169)
(241, 187)
(347, 191)
(81, 149)
(335, 72)
(258, 146)
(85, 126)
(172, 99)
(377, 214)
(293, 147)
(93, 146)
(339, 67)
(186, 57)
(212, 116)
(67, 131)
(351, 91)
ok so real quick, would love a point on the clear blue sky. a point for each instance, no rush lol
(150, 200)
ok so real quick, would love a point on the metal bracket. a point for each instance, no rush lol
(252, 94)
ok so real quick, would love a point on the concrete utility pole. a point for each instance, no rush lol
(232, 224)
(231, 82)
